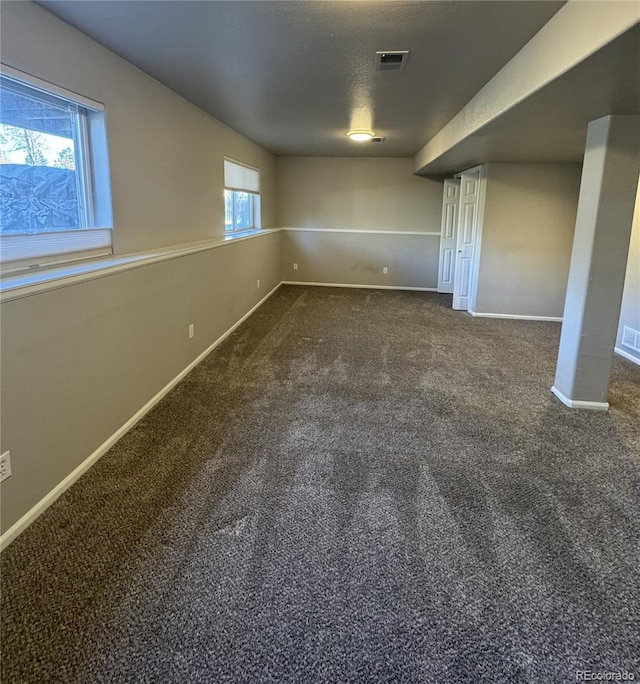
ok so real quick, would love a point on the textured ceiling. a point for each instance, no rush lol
(551, 125)
(294, 76)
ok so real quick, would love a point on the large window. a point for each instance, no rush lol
(241, 197)
(51, 196)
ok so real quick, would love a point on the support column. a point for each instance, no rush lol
(598, 261)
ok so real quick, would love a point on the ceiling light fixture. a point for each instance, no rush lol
(360, 136)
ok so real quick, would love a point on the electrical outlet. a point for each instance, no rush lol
(192, 331)
(258, 283)
(5, 466)
(385, 271)
(295, 267)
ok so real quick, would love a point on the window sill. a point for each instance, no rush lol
(41, 280)
(242, 233)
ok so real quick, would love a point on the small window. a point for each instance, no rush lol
(241, 197)
(51, 197)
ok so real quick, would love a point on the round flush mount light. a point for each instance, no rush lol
(360, 136)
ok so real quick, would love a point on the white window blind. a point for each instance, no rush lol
(240, 177)
(18, 251)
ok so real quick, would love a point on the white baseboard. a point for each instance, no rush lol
(363, 287)
(588, 405)
(626, 355)
(517, 317)
(21, 525)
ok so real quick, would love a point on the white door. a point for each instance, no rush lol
(467, 227)
(448, 234)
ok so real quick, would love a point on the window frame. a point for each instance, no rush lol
(254, 196)
(93, 236)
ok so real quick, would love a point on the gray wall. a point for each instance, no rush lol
(630, 311)
(325, 256)
(378, 199)
(527, 234)
(350, 192)
(79, 361)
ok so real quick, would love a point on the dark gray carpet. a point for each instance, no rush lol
(357, 486)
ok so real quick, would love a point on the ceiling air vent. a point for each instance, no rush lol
(391, 60)
(377, 139)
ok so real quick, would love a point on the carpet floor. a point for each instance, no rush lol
(356, 486)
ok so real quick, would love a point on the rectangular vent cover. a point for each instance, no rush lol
(377, 139)
(391, 60)
(631, 338)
